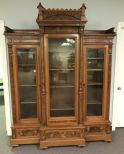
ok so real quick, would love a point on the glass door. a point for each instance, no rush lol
(95, 80)
(62, 70)
(26, 65)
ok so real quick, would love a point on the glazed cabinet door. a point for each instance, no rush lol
(96, 66)
(61, 61)
(26, 78)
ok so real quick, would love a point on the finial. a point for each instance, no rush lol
(83, 6)
(40, 6)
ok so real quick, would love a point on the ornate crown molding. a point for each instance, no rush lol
(61, 17)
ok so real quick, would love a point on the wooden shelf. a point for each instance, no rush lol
(62, 86)
(96, 58)
(95, 69)
(26, 64)
(62, 109)
(53, 51)
(28, 103)
(61, 69)
(95, 103)
(94, 83)
(23, 85)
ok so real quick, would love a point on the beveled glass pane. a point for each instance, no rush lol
(26, 56)
(62, 98)
(27, 75)
(62, 76)
(95, 53)
(95, 77)
(28, 94)
(95, 68)
(28, 110)
(94, 100)
(95, 63)
(62, 59)
(27, 82)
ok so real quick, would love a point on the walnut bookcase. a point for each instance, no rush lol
(60, 80)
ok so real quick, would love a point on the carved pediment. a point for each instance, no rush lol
(61, 17)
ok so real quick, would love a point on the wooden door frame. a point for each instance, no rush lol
(51, 121)
(16, 86)
(105, 83)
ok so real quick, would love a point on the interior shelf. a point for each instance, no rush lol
(94, 103)
(95, 69)
(26, 64)
(95, 58)
(27, 85)
(93, 83)
(62, 109)
(61, 69)
(62, 86)
(59, 51)
(28, 102)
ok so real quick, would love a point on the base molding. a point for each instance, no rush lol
(16, 142)
(62, 135)
(67, 142)
(107, 138)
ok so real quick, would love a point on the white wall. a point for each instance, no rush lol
(4, 64)
(1, 67)
(101, 14)
(118, 97)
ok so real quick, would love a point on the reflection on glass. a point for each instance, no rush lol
(94, 100)
(62, 77)
(28, 110)
(95, 67)
(27, 75)
(95, 53)
(62, 99)
(27, 82)
(62, 71)
(28, 93)
(95, 63)
(95, 77)
(26, 56)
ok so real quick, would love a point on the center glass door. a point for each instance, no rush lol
(62, 76)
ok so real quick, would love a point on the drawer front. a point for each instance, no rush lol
(61, 133)
(25, 132)
(98, 129)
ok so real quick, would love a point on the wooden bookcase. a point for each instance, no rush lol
(60, 80)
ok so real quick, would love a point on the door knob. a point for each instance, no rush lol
(119, 88)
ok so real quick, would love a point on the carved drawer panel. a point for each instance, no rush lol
(61, 133)
(95, 129)
(98, 129)
(25, 132)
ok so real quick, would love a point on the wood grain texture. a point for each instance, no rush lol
(60, 131)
